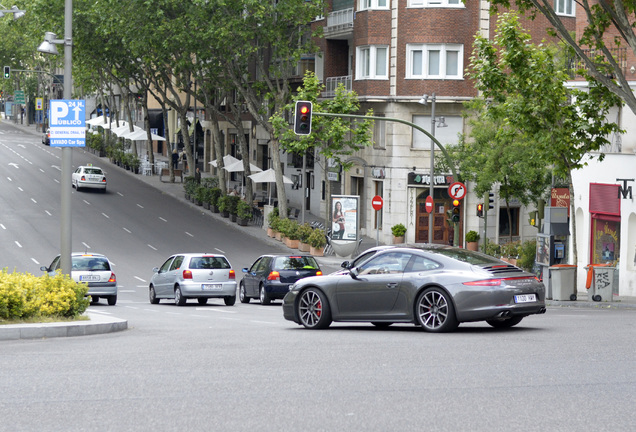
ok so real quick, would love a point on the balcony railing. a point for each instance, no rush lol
(338, 21)
(332, 83)
(619, 54)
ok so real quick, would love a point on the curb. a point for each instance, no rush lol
(98, 324)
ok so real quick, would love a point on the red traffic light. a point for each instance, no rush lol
(302, 118)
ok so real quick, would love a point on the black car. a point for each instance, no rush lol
(270, 276)
(46, 137)
(435, 287)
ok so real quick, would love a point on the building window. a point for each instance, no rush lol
(436, 3)
(373, 4)
(507, 227)
(564, 7)
(435, 61)
(372, 62)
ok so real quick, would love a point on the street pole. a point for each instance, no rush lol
(67, 156)
(431, 189)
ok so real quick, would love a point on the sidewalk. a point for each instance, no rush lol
(331, 262)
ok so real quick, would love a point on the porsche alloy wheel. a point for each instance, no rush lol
(435, 311)
(313, 309)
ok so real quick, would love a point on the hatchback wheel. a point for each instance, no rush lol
(435, 311)
(229, 301)
(313, 309)
(94, 299)
(242, 294)
(112, 300)
(152, 295)
(202, 300)
(264, 296)
(179, 299)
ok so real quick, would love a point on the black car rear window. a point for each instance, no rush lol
(209, 263)
(90, 263)
(295, 263)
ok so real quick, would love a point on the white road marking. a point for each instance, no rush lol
(152, 247)
(223, 252)
(86, 246)
(140, 206)
(189, 234)
(216, 310)
(35, 261)
(86, 202)
(105, 215)
(34, 200)
(127, 230)
(165, 220)
(120, 194)
(3, 227)
(19, 245)
(20, 189)
(47, 212)
(263, 322)
(140, 279)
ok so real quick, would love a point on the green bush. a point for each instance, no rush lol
(273, 218)
(23, 296)
(233, 201)
(288, 228)
(527, 255)
(213, 197)
(398, 230)
(472, 236)
(223, 203)
(190, 186)
(304, 231)
(244, 210)
(317, 238)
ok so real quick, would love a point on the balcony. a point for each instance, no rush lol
(339, 24)
(332, 83)
(575, 64)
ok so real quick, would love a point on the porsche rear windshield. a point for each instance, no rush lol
(466, 256)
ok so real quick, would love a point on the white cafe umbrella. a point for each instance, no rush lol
(113, 125)
(238, 167)
(97, 121)
(123, 130)
(141, 135)
(268, 176)
(227, 160)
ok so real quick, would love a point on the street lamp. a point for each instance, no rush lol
(48, 47)
(17, 13)
(431, 189)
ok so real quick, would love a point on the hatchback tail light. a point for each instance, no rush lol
(318, 273)
(83, 178)
(112, 277)
(187, 274)
(274, 276)
(232, 275)
(103, 179)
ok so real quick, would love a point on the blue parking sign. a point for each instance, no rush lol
(67, 122)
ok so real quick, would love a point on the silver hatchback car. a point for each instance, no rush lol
(93, 269)
(193, 275)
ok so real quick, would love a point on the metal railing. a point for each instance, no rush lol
(339, 20)
(575, 63)
(331, 83)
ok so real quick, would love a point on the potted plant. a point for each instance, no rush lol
(317, 240)
(213, 199)
(398, 232)
(189, 188)
(471, 240)
(232, 204)
(223, 204)
(134, 162)
(272, 222)
(200, 195)
(289, 231)
(243, 213)
(304, 231)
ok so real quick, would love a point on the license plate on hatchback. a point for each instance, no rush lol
(211, 287)
(525, 298)
(89, 278)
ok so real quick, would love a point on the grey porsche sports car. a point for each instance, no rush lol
(433, 286)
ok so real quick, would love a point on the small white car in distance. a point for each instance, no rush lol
(89, 177)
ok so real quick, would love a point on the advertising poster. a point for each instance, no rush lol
(344, 217)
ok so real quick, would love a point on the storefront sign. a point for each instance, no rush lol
(560, 197)
(415, 179)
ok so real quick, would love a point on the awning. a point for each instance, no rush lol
(141, 135)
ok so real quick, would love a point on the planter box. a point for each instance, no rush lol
(242, 222)
(316, 251)
(278, 236)
(398, 240)
(472, 246)
(225, 214)
(304, 247)
(233, 217)
(271, 233)
(292, 244)
(214, 209)
(206, 205)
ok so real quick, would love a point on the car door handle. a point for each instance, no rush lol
(392, 285)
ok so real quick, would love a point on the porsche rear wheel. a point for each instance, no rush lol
(435, 312)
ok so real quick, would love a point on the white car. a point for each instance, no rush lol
(93, 269)
(193, 275)
(89, 177)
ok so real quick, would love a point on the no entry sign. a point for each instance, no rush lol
(377, 202)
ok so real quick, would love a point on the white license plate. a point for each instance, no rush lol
(89, 278)
(211, 287)
(525, 298)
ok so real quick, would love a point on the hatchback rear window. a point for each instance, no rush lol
(90, 263)
(295, 263)
(209, 262)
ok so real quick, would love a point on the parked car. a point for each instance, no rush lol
(270, 276)
(90, 177)
(433, 286)
(46, 137)
(193, 275)
(93, 269)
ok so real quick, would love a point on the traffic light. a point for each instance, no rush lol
(480, 210)
(7, 72)
(532, 220)
(491, 200)
(302, 118)
(455, 212)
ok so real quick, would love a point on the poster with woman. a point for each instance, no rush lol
(344, 217)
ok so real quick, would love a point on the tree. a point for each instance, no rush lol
(331, 137)
(527, 97)
(610, 23)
